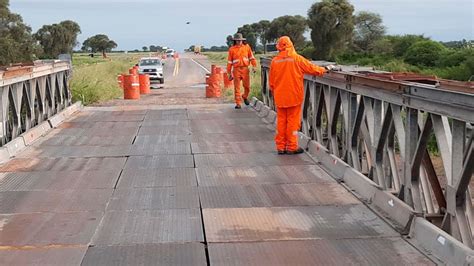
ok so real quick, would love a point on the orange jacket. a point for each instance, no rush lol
(240, 56)
(287, 72)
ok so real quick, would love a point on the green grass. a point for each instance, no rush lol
(220, 58)
(95, 79)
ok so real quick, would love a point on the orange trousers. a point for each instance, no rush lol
(288, 125)
(241, 74)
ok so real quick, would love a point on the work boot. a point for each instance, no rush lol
(237, 106)
(281, 152)
(297, 151)
(246, 101)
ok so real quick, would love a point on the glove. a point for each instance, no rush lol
(230, 77)
(330, 67)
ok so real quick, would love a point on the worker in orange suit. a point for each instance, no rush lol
(286, 82)
(238, 61)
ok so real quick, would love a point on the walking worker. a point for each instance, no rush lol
(238, 61)
(286, 81)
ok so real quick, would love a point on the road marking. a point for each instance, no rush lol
(176, 67)
(205, 69)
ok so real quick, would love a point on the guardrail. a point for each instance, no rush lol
(32, 94)
(372, 133)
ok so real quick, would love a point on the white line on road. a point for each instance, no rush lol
(205, 69)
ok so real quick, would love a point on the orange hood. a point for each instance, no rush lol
(285, 44)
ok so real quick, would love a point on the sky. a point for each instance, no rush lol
(134, 24)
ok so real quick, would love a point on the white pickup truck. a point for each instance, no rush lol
(153, 67)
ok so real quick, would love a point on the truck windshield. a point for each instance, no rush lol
(149, 62)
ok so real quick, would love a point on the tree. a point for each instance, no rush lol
(332, 26)
(250, 34)
(291, 26)
(58, 39)
(402, 43)
(16, 42)
(145, 49)
(99, 43)
(424, 53)
(229, 40)
(262, 28)
(368, 30)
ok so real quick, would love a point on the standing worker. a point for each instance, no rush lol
(286, 81)
(238, 61)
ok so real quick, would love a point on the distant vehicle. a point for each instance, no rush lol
(197, 49)
(153, 67)
(170, 53)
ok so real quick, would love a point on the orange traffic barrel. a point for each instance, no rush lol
(120, 80)
(213, 87)
(133, 71)
(213, 69)
(131, 88)
(144, 81)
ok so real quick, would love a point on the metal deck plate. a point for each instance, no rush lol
(103, 125)
(54, 201)
(108, 118)
(62, 164)
(165, 123)
(165, 148)
(275, 195)
(37, 229)
(233, 147)
(97, 131)
(77, 151)
(217, 116)
(154, 199)
(53, 256)
(86, 141)
(150, 254)
(166, 116)
(206, 128)
(58, 180)
(161, 139)
(371, 251)
(165, 177)
(229, 137)
(147, 227)
(250, 159)
(164, 130)
(257, 224)
(229, 121)
(159, 161)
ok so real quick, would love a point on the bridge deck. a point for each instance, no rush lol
(186, 185)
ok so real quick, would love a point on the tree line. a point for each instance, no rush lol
(19, 44)
(338, 34)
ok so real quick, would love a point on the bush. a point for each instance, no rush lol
(424, 53)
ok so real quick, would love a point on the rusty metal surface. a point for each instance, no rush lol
(375, 251)
(103, 125)
(165, 148)
(165, 177)
(150, 254)
(161, 139)
(77, 151)
(252, 175)
(159, 161)
(257, 224)
(164, 130)
(86, 140)
(62, 164)
(154, 199)
(275, 195)
(37, 229)
(55, 255)
(148, 227)
(233, 147)
(54, 201)
(58, 180)
(230, 137)
(250, 159)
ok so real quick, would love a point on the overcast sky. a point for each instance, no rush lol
(138, 23)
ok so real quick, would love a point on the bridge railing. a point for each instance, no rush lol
(31, 94)
(415, 141)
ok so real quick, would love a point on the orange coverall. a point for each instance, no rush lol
(286, 81)
(240, 57)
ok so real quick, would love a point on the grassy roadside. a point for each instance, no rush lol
(220, 58)
(95, 79)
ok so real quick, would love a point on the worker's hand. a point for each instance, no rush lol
(254, 70)
(330, 67)
(230, 77)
